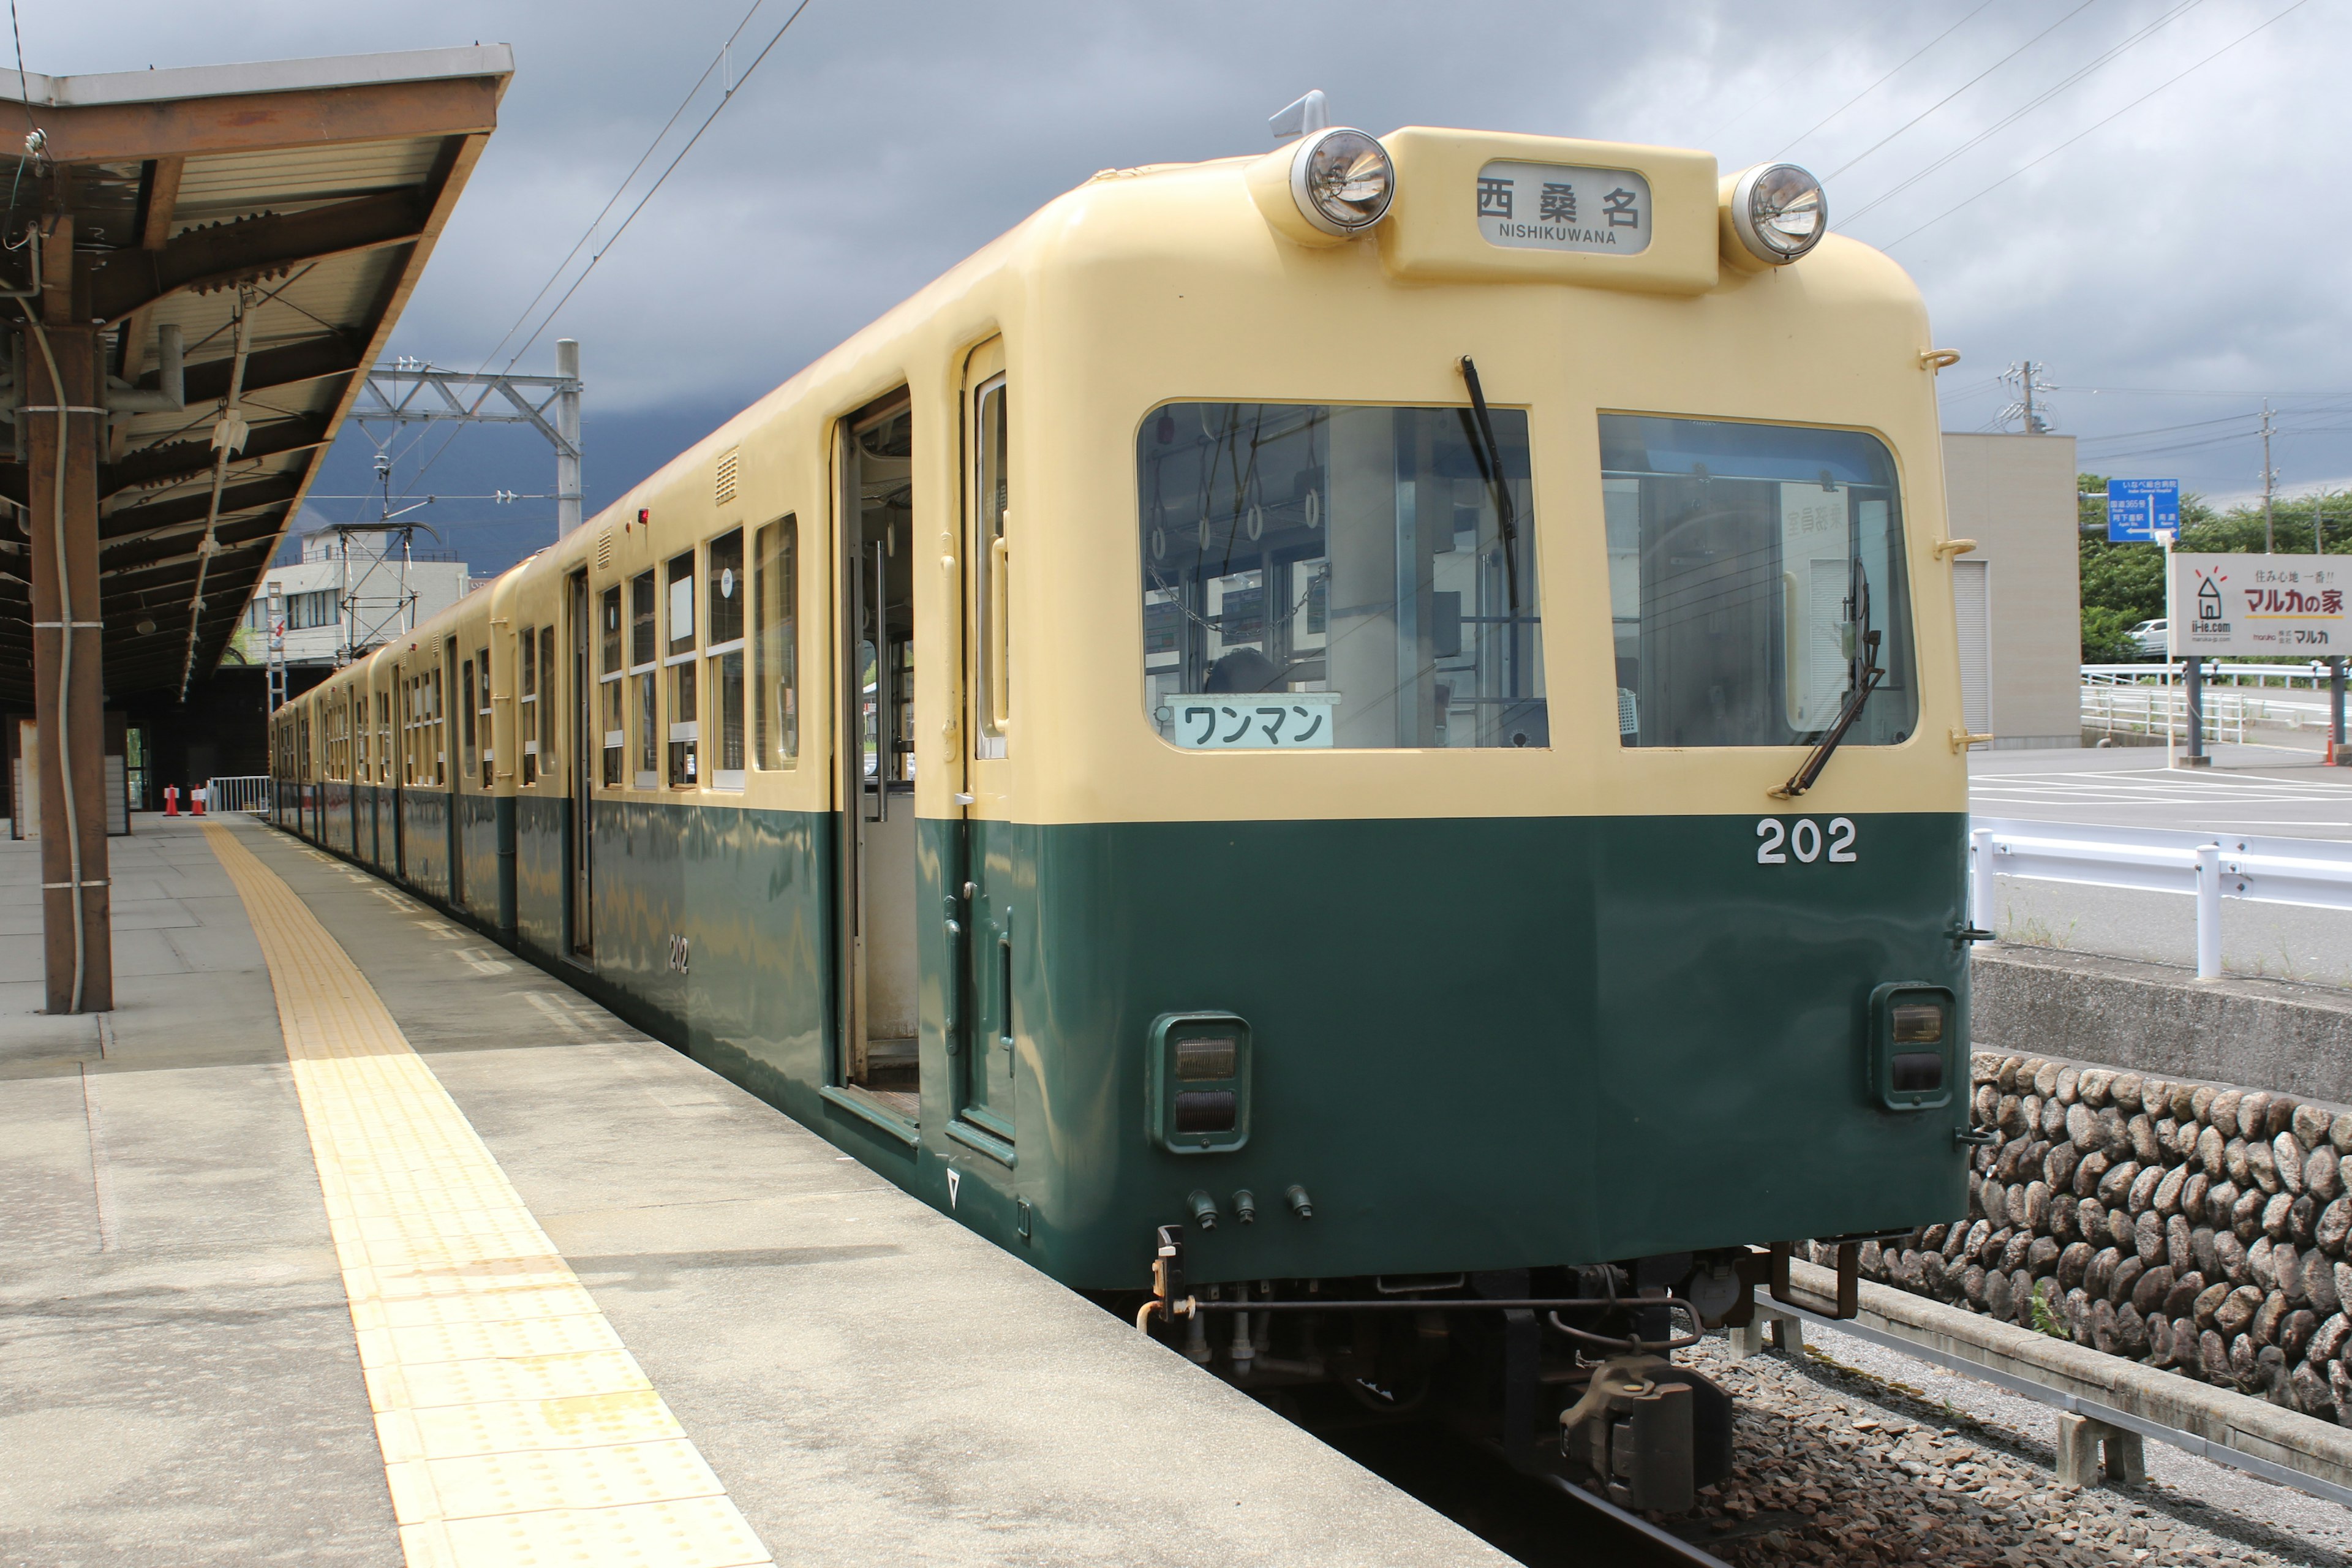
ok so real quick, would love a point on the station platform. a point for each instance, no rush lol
(348, 1238)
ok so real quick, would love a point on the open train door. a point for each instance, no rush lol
(878, 1066)
(979, 858)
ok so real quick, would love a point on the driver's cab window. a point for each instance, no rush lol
(1317, 577)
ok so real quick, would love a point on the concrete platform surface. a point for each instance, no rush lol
(178, 1376)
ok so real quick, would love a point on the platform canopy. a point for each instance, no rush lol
(278, 215)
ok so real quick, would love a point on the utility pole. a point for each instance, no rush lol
(2029, 406)
(2270, 477)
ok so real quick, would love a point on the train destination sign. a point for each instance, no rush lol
(1563, 206)
(2258, 605)
(2140, 511)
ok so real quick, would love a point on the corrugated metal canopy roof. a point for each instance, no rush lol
(302, 195)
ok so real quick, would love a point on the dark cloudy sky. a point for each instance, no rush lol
(2170, 260)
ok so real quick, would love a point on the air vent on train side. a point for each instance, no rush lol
(605, 548)
(726, 474)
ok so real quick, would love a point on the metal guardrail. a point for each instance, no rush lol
(2130, 708)
(2122, 1396)
(237, 791)
(2315, 872)
(2286, 675)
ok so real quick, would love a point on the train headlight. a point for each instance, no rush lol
(1779, 212)
(1342, 181)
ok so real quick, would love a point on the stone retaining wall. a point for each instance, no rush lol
(2198, 1228)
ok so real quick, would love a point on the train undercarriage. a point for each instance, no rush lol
(1564, 1372)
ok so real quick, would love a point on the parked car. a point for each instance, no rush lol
(2151, 638)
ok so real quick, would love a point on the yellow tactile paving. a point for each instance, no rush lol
(516, 1427)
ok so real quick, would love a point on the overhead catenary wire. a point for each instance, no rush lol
(2064, 84)
(1964, 87)
(2108, 119)
(726, 98)
(1882, 82)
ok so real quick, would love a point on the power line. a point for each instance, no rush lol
(726, 98)
(1882, 82)
(1964, 87)
(2127, 108)
(2063, 85)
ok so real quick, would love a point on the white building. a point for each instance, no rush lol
(346, 596)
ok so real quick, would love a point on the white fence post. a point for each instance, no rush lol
(1981, 903)
(2209, 911)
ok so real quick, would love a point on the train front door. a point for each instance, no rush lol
(874, 701)
(985, 939)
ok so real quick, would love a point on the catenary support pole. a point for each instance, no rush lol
(567, 425)
(2209, 911)
(69, 693)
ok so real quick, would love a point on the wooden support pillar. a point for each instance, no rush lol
(74, 715)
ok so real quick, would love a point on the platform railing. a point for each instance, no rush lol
(2310, 872)
(238, 792)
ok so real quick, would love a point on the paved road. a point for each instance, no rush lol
(2272, 790)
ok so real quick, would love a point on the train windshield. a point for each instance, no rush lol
(1747, 563)
(1319, 576)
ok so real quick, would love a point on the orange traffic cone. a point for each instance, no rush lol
(171, 800)
(196, 801)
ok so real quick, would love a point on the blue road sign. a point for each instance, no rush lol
(2140, 510)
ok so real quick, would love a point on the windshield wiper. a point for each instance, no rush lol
(1490, 459)
(1867, 675)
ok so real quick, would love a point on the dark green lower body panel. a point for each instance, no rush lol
(1478, 1044)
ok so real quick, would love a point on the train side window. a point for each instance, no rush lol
(685, 734)
(482, 712)
(645, 672)
(776, 595)
(548, 770)
(527, 700)
(1318, 576)
(990, 567)
(1747, 565)
(611, 679)
(724, 592)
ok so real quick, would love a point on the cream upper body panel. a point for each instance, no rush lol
(1169, 285)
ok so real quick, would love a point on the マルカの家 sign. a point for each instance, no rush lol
(2263, 606)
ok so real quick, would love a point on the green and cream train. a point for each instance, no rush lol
(1313, 743)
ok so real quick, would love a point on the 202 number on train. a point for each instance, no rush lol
(1803, 838)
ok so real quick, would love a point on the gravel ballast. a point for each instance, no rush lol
(1841, 1465)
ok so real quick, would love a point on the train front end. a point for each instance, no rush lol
(1495, 765)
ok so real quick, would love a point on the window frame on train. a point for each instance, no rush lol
(644, 678)
(775, 589)
(1321, 541)
(724, 593)
(612, 687)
